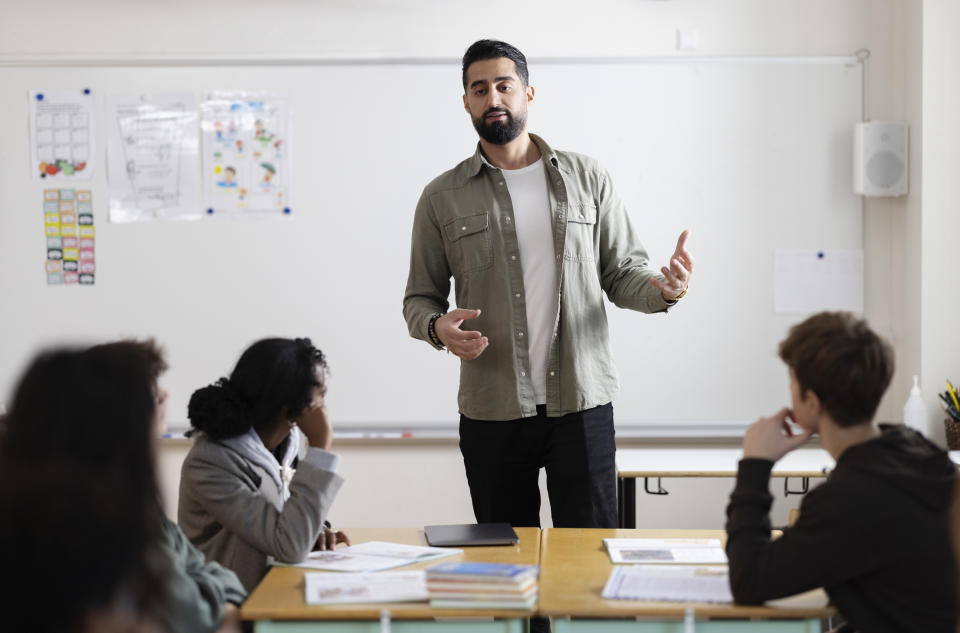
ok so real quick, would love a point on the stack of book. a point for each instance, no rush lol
(482, 586)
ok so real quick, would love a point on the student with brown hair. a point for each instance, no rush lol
(876, 534)
(82, 525)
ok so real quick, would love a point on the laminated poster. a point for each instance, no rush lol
(246, 158)
(153, 157)
(70, 236)
(61, 134)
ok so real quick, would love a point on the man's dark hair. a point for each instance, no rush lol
(838, 357)
(495, 49)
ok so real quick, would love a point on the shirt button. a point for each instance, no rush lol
(520, 334)
(552, 374)
(513, 257)
(507, 218)
(463, 228)
(523, 373)
(517, 295)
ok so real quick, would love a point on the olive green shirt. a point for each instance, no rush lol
(463, 228)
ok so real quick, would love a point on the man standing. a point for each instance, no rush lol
(531, 236)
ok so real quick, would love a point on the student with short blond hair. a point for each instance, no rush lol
(876, 534)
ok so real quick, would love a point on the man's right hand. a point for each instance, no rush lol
(465, 344)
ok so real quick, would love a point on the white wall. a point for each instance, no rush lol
(940, 229)
(893, 30)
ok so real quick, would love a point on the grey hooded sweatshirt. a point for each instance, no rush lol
(244, 509)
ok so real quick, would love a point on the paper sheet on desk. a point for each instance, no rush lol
(669, 551)
(397, 586)
(374, 556)
(669, 584)
(813, 599)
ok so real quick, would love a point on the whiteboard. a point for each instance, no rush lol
(751, 156)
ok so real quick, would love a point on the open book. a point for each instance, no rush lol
(394, 586)
(373, 556)
(665, 551)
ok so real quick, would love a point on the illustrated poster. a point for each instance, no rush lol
(61, 134)
(70, 236)
(152, 157)
(246, 159)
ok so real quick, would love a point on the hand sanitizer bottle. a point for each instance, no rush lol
(915, 411)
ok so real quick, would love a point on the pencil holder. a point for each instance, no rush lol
(953, 433)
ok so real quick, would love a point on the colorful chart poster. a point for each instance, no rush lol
(246, 158)
(61, 131)
(153, 157)
(68, 228)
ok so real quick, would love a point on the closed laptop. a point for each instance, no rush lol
(470, 534)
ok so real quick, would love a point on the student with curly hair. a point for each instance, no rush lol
(249, 494)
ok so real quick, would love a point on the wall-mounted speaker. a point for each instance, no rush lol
(880, 165)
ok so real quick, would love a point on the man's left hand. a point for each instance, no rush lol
(677, 276)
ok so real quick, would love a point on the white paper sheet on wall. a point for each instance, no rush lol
(61, 132)
(809, 280)
(153, 157)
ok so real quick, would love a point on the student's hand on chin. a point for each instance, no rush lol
(315, 424)
(771, 438)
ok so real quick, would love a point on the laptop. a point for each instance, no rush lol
(470, 534)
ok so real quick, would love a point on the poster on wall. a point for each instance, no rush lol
(246, 157)
(70, 236)
(61, 134)
(153, 157)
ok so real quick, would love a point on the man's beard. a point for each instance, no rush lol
(500, 132)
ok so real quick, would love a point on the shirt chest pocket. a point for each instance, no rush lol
(581, 231)
(468, 243)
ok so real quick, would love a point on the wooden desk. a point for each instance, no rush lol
(278, 604)
(649, 463)
(575, 568)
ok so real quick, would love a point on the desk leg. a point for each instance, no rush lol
(627, 502)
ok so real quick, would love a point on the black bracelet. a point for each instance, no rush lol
(432, 331)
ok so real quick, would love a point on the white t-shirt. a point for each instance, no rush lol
(531, 211)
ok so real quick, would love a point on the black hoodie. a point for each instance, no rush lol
(875, 536)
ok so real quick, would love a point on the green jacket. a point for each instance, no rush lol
(199, 589)
(463, 229)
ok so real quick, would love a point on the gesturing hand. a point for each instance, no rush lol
(465, 344)
(771, 438)
(677, 276)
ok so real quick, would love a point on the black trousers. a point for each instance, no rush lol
(503, 462)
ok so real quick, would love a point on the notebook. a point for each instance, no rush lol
(470, 534)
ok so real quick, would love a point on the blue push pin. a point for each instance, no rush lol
(286, 210)
(39, 96)
(210, 211)
(820, 255)
(86, 91)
